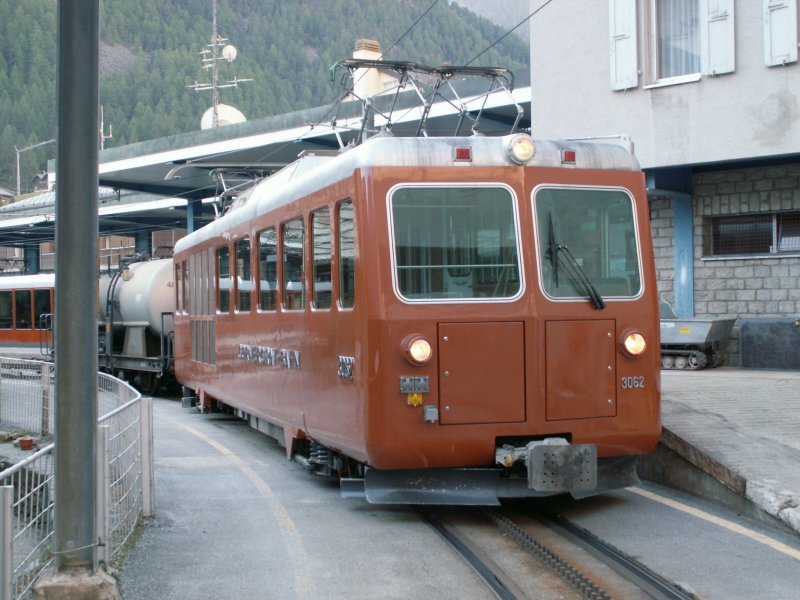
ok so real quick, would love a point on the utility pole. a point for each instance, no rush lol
(76, 575)
(21, 150)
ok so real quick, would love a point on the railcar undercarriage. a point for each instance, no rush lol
(541, 468)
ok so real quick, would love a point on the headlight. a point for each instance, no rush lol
(633, 343)
(417, 350)
(521, 148)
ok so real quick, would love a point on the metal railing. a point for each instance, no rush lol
(125, 491)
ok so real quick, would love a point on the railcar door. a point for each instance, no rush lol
(590, 276)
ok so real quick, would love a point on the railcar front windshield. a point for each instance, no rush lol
(455, 243)
(587, 235)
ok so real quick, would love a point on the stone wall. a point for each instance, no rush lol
(763, 286)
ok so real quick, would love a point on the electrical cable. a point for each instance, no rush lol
(506, 34)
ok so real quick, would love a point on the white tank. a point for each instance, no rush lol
(145, 291)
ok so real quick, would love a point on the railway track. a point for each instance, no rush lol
(577, 563)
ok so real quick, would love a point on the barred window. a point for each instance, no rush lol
(769, 233)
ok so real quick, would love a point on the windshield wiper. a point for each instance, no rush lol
(572, 267)
(552, 248)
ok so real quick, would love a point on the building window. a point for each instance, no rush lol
(774, 233)
(677, 38)
(780, 32)
(686, 39)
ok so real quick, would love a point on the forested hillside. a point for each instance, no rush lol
(150, 54)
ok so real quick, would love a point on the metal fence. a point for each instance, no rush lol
(125, 491)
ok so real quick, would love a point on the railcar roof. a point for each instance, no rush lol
(14, 282)
(313, 172)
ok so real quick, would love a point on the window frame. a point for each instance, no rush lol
(776, 232)
(274, 293)
(284, 276)
(227, 292)
(716, 42)
(315, 291)
(538, 244)
(36, 304)
(340, 263)
(461, 185)
(241, 270)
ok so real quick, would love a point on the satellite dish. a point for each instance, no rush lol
(229, 52)
(226, 115)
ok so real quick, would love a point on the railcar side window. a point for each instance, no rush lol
(321, 243)
(179, 287)
(244, 282)
(223, 280)
(294, 297)
(591, 233)
(347, 253)
(185, 286)
(267, 270)
(41, 306)
(6, 304)
(22, 309)
(455, 243)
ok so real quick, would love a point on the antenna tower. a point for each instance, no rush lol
(219, 50)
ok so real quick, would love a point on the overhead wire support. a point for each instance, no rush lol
(433, 78)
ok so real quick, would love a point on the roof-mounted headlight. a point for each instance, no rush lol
(521, 148)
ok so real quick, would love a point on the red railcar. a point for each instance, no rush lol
(437, 319)
(26, 305)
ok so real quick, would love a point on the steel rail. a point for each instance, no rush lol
(635, 571)
(486, 569)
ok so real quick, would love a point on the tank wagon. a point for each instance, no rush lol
(435, 320)
(135, 320)
(135, 310)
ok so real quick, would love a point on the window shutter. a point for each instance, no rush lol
(717, 37)
(780, 32)
(622, 34)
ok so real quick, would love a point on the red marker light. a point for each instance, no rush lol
(568, 156)
(464, 154)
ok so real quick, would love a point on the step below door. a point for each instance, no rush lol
(481, 373)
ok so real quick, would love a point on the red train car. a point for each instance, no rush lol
(26, 306)
(436, 319)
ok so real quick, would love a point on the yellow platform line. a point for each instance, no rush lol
(720, 522)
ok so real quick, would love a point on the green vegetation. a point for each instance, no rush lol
(149, 55)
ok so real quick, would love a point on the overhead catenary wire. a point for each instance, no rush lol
(337, 101)
(506, 34)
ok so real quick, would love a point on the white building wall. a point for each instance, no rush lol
(752, 112)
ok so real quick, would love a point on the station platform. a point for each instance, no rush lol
(742, 427)
(739, 426)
